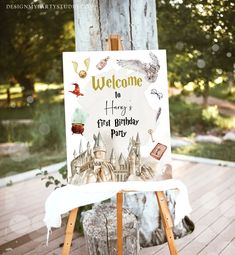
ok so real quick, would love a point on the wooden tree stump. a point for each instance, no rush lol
(100, 229)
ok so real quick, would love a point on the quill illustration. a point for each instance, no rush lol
(158, 113)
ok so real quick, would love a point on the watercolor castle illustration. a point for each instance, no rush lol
(93, 165)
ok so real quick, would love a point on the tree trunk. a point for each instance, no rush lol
(27, 84)
(135, 21)
(205, 94)
(100, 230)
(8, 97)
(230, 82)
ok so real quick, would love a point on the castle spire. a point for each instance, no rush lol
(74, 154)
(99, 147)
(112, 158)
(80, 148)
(99, 144)
(137, 138)
(132, 153)
(92, 154)
(132, 161)
(121, 160)
(137, 145)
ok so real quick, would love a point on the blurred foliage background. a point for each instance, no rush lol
(198, 36)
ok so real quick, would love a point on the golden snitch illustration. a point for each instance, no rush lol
(82, 73)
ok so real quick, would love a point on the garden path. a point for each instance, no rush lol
(225, 107)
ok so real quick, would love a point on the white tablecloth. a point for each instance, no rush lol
(69, 197)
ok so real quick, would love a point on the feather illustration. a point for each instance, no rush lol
(158, 113)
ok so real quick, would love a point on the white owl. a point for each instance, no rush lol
(150, 70)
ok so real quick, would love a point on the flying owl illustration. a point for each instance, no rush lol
(150, 70)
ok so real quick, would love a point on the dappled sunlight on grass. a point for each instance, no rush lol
(224, 92)
(226, 122)
(32, 161)
(224, 151)
(43, 86)
(44, 93)
(188, 118)
(57, 99)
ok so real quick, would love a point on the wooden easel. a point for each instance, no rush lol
(114, 43)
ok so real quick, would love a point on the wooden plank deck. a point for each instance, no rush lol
(212, 195)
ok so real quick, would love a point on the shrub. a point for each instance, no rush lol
(210, 115)
(185, 118)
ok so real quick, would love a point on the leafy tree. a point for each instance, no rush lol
(199, 37)
(32, 41)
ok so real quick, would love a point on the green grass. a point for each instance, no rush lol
(16, 113)
(46, 134)
(185, 118)
(36, 160)
(221, 91)
(224, 151)
(15, 133)
(50, 116)
(188, 119)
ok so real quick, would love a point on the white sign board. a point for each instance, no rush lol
(117, 115)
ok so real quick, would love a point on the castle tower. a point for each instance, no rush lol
(99, 147)
(137, 145)
(113, 158)
(92, 154)
(88, 152)
(121, 162)
(88, 148)
(80, 152)
(132, 159)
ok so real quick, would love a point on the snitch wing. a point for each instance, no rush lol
(75, 66)
(87, 63)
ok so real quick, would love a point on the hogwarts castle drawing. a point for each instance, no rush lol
(93, 165)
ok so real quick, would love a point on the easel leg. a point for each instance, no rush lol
(119, 223)
(167, 221)
(114, 43)
(69, 231)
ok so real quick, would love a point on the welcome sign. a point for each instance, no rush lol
(117, 116)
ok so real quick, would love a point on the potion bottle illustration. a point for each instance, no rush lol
(102, 63)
